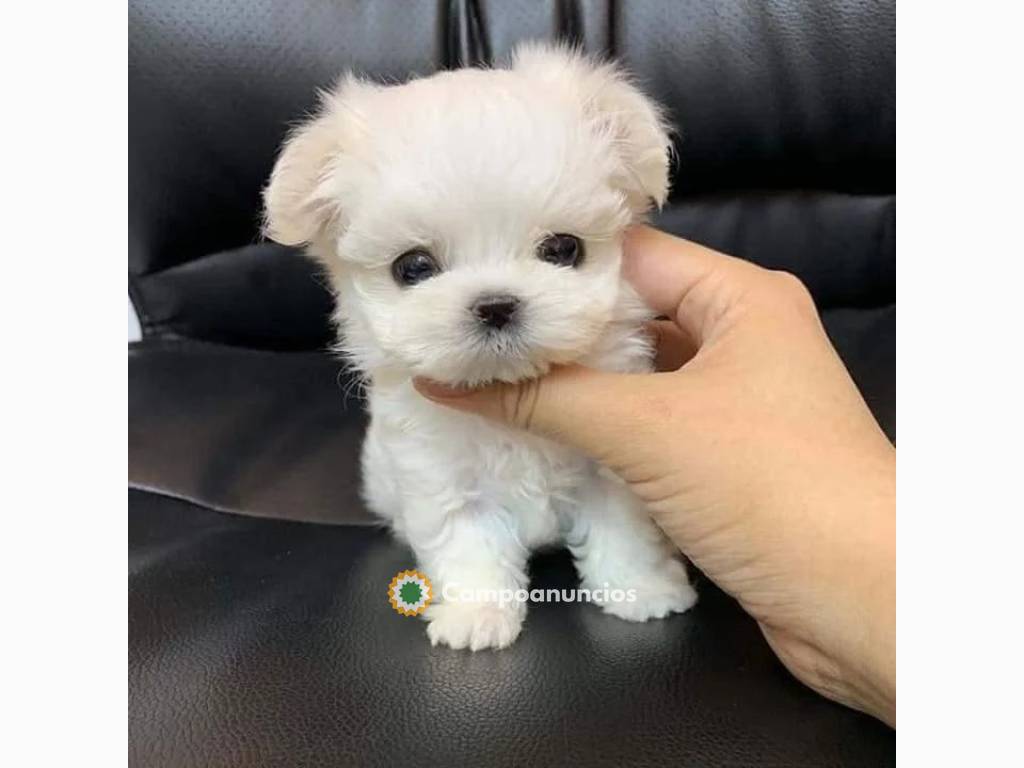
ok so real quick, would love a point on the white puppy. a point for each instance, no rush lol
(471, 223)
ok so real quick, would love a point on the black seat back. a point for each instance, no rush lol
(785, 111)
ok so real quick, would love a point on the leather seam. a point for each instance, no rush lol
(142, 488)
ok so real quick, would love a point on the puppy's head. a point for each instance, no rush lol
(471, 222)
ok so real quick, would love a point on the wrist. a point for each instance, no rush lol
(850, 653)
(837, 630)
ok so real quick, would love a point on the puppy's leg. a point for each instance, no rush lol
(618, 547)
(380, 491)
(471, 548)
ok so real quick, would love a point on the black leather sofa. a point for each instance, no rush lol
(260, 633)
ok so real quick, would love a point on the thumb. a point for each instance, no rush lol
(593, 411)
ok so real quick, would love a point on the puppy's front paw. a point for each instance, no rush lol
(657, 596)
(474, 625)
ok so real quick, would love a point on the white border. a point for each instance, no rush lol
(64, 139)
(960, 373)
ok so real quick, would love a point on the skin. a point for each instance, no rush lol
(753, 451)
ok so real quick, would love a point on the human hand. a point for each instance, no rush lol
(754, 452)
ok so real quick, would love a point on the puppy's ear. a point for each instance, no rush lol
(636, 124)
(298, 201)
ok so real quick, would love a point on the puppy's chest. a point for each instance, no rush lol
(505, 466)
(532, 485)
(465, 462)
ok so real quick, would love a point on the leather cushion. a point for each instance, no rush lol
(255, 432)
(271, 643)
(278, 434)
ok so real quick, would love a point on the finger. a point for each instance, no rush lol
(588, 409)
(674, 347)
(684, 281)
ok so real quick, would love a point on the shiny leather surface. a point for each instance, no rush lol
(259, 629)
(271, 643)
(262, 433)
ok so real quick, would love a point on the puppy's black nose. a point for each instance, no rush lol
(495, 311)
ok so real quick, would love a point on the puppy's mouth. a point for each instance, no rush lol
(496, 344)
(507, 343)
(507, 355)
(502, 355)
(499, 339)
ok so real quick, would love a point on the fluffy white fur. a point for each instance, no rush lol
(478, 166)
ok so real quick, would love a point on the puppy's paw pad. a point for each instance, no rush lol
(475, 626)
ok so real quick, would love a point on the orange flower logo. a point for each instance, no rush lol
(410, 592)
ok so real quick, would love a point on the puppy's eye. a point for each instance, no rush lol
(413, 267)
(561, 250)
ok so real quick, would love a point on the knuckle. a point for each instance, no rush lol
(508, 399)
(792, 289)
(519, 402)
